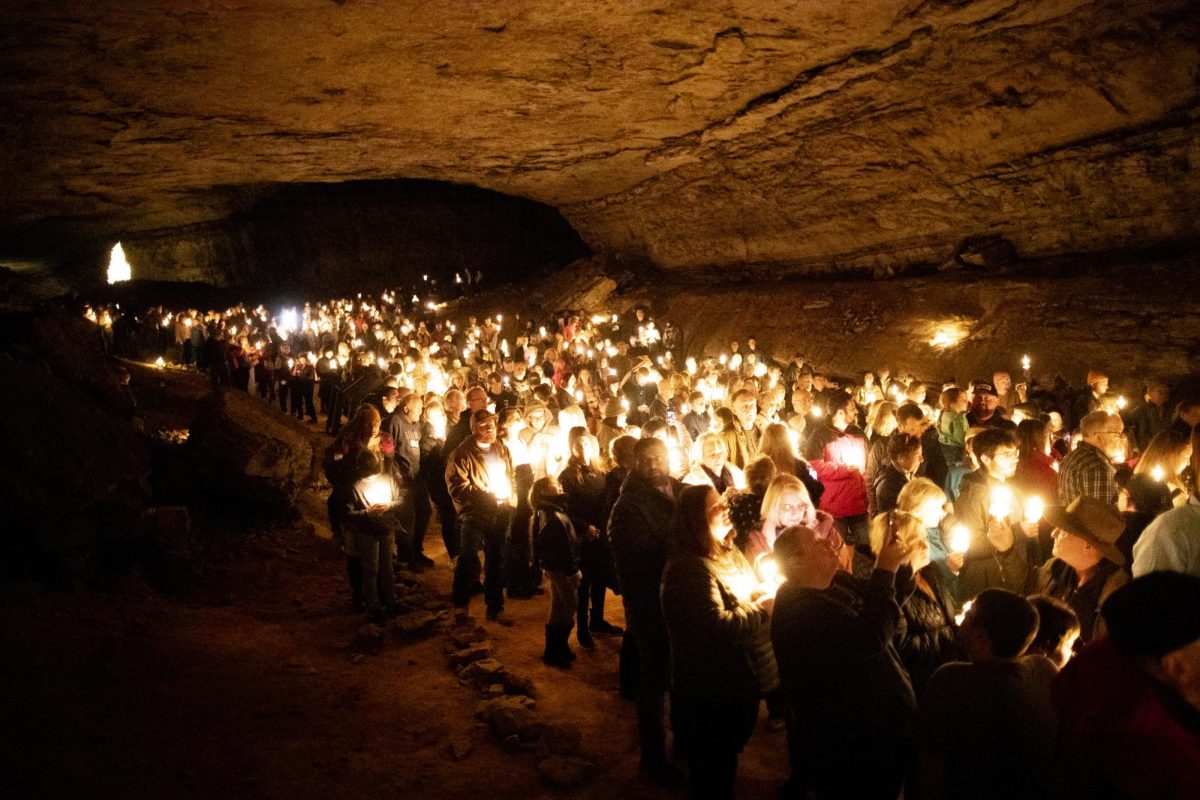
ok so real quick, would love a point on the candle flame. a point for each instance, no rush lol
(960, 539)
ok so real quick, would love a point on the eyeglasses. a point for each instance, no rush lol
(789, 508)
(1113, 433)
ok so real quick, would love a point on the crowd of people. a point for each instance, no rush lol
(951, 589)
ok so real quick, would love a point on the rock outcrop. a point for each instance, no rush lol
(760, 138)
(250, 458)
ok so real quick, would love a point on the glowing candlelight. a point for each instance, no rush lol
(377, 490)
(498, 482)
(1157, 473)
(769, 576)
(160, 362)
(817, 411)
(1121, 401)
(723, 358)
(1025, 363)
(960, 539)
(1002, 502)
(1034, 508)
(958, 618)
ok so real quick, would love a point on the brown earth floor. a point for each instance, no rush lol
(251, 687)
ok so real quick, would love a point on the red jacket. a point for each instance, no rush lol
(1117, 735)
(845, 492)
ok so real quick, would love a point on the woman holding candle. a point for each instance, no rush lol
(719, 629)
(777, 444)
(353, 465)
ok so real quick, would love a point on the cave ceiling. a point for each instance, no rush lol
(788, 136)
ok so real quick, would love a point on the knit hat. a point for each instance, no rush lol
(614, 407)
(1094, 521)
(1154, 614)
(1095, 376)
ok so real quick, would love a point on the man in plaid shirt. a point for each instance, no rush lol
(1088, 469)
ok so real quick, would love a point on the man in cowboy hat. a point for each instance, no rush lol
(1087, 566)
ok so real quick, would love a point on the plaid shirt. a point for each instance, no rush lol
(1087, 471)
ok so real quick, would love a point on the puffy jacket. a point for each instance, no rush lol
(719, 644)
(926, 637)
(555, 541)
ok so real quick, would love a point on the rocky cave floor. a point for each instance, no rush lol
(261, 682)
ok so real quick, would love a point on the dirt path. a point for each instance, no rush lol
(252, 688)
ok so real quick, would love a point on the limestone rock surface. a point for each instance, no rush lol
(248, 456)
(759, 136)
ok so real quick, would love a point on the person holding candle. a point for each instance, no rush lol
(1086, 566)
(850, 698)
(1172, 540)
(1003, 550)
(778, 444)
(719, 630)
(1165, 460)
(787, 503)
(1088, 469)
(838, 452)
(480, 480)
(353, 464)
(523, 573)
(711, 466)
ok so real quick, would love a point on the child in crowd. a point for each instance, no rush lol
(1058, 629)
(556, 546)
(953, 425)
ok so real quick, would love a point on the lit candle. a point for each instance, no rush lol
(1121, 401)
(1001, 502)
(377, 490)
(960, 539)
(958, 619)
(498, 483)
(1157, 473)
(160, 362)
(1034, 508)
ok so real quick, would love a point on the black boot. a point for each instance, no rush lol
(564, 645)
(553, 655)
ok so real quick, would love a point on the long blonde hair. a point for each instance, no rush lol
(781, 484)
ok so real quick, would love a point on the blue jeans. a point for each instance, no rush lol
(378, 581)
(490, 534)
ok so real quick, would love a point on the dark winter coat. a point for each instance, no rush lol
(555, 541)
(639, 531)
(926, 636)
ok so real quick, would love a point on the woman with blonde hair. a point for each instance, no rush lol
(926, 637)
(711, 467)
(788, 503)
(924, 499)
(881, 424)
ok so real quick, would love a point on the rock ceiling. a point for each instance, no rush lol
(745, 134)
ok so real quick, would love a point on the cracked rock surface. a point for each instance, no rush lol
(771, 137)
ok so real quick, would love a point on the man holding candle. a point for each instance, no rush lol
(987, 508)
(479, 478)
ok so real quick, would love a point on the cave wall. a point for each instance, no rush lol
(352, 237)
(1129, 316)
(756, 137)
